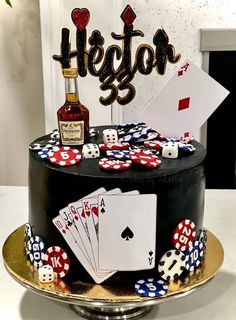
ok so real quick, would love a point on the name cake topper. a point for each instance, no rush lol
(115, 79)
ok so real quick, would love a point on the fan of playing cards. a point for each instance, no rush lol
(107, 232)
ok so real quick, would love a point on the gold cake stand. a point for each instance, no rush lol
(106, 302)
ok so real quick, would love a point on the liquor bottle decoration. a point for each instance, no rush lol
(73, 117)
(116, 81)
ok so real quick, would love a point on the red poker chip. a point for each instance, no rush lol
(155, 144)
(184, 235)
(114, 146)
(58, 259)
(145, 158)
(64, 156)
(113, 165)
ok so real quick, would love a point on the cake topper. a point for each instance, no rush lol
(115, 79)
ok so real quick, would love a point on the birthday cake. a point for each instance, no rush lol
(172, 193)
(119, 204)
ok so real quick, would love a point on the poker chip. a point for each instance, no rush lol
(43, 153)
(154, 144)
(151, 288)
(194, 255)
(184, 234)
(64, 156)
(116, 154)
(130, 125)
(58, 259)
(203, 236)
(36, 247)
(93, 132)
(171, 265)
(113, 146)
(27, 235)
(46, 143)
(55, 134)
(146, 133)
(185, 149)
(114, 165)
(126, 131)
(145, 158)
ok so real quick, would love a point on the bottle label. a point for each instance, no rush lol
(72, 132)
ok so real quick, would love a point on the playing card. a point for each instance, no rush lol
(77, 211)
(185, 103)
(90, 205)
(92, 220)
(61, 226)
(127, 232)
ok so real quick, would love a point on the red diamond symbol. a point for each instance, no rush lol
(180, 73)
(76, 217)
(184, 104)
(186, 134)
(128, 16)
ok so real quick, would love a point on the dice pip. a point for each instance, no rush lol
(90, 150)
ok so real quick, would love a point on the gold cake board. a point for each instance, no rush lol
(94, 301)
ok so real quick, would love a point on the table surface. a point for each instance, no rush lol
(215, 301)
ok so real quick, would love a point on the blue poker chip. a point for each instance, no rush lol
(130, 125)
(194, 255)
(44, 153)
(151, 288)
(185, 149)
(117, 154)
(36, 246)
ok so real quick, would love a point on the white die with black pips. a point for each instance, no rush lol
(90, 151)
(110, 136)
(170, 150)
(46, 274)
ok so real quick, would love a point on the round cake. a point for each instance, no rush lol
(178, 183)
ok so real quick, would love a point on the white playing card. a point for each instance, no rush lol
(127, 232)
(61, 226)
(185, 103)
(77, 212)
(92, 220)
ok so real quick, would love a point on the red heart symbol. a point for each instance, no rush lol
(95, 210)
(80, 17)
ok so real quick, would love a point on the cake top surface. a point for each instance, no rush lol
(90, 167)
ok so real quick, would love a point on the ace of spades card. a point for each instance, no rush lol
(185, 102)
(127, 232)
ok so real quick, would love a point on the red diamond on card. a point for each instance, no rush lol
(180, 73)
(128, 16)
(184, 104)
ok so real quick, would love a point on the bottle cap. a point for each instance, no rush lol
(70, 73)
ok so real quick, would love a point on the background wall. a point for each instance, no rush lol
(22, 115)
(21, 89)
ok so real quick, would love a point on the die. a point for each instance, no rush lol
(90, 150)
(170, 150)
(46, 274)
(110, 136)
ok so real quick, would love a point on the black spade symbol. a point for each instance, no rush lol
(127, 234)
(102, 210)
(150, 253)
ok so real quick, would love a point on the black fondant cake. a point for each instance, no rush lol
(179, 185)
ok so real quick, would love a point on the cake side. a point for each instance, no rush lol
(179, 185)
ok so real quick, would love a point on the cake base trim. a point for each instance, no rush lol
(107, 296)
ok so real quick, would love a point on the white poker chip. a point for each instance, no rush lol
(151, 288)
(194, 255)
(171, 265)
(55, 134)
